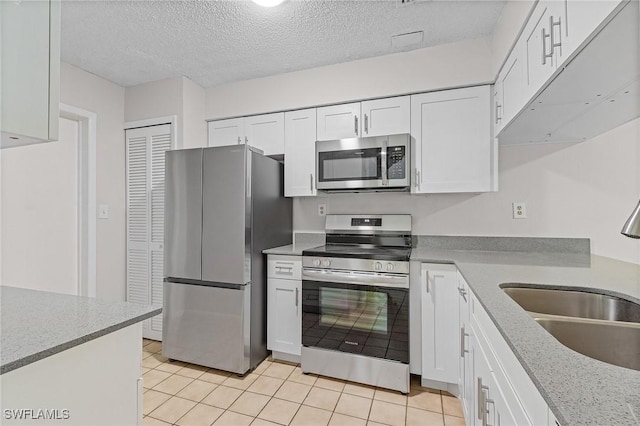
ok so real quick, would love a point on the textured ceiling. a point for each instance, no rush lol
(216, 42)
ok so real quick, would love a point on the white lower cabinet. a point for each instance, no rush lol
(464, 353)
(440, 341)
(284, 307)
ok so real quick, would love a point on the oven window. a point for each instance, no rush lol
(362, 319)
(353, 164)
(354, 309)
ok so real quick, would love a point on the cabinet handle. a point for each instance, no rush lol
(296, 297)
(417, 178)
(311, 181)
(481, 404)
(498, 108)
(488, 401)
(545, 55)
(553, 43)
(239, 140)
(463, 350)
(427, 284)
(246, 140)
(355, 124)
(366, 124)
(463, 293)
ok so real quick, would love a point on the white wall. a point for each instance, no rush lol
(450, 65)
(40, 214)
(90, 92)
(570, 190)
(174, 96)
(510, 22)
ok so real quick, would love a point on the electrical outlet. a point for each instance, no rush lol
(322, 209)
(519, 211)
(103, 211)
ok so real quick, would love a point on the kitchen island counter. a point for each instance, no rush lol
(577, 389)
(38, 324)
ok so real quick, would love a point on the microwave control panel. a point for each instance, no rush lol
(396, 163)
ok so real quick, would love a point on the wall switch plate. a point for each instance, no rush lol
(519, 211)
(322, 209)
(103, 211)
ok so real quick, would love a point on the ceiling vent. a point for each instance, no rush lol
(400, 3)
(401, 41)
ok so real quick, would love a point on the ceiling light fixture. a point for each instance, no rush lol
(268, 3)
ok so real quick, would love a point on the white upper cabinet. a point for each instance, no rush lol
(510, 96)
(377, 117)
(299, 153)
(591, 80)
(542, 42)
(30, 76)
(265, 132)
(338, 122)
(454, 149)
(387, 116)
(226, 132)
(583, 17)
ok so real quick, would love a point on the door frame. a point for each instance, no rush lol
(87, 237)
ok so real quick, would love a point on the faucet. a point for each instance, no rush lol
(632, 227)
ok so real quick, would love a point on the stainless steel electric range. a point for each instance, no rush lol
(355, 301)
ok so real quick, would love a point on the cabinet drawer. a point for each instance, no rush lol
(281, 266)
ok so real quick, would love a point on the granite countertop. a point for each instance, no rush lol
(301, 241)
(579, 390)
(292, 249)
(37, 324)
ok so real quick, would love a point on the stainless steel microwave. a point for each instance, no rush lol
(373, 163)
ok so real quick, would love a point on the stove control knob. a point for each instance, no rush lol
(326, 263)
(389, 266)
(378, 266)
(316, 262)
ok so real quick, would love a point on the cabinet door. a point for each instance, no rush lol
(511, 81)
(338, 121)
(582, 18)
(284, 319)
(30, 77)
(539, 43)
(266, 132)
(440, 332)
(226, 132)
(388, 116)
(484, 412)
(300, 153)
(464, 333)
(453, 143)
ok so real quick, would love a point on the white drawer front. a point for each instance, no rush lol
(280, 266)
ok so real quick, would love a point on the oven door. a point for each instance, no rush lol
(356, 312)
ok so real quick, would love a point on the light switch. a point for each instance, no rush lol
(103, 211)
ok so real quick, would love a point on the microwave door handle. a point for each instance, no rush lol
(385, 181)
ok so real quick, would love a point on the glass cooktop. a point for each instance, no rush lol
(398, 254)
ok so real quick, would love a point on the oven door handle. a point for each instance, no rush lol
(355, 277)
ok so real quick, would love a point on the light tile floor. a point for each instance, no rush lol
(277, 393)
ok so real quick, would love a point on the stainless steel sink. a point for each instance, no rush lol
(608, 341)
(574, 304)
(606, 328)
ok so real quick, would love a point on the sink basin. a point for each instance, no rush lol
(608, 341)
(573, 303)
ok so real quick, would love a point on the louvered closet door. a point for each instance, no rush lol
(146, 149)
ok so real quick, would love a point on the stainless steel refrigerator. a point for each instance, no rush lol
(223, 206)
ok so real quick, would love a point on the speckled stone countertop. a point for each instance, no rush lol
(301, 241)
(38, 324)
(579, 390)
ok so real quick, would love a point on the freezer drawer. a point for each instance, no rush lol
(207, 325)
